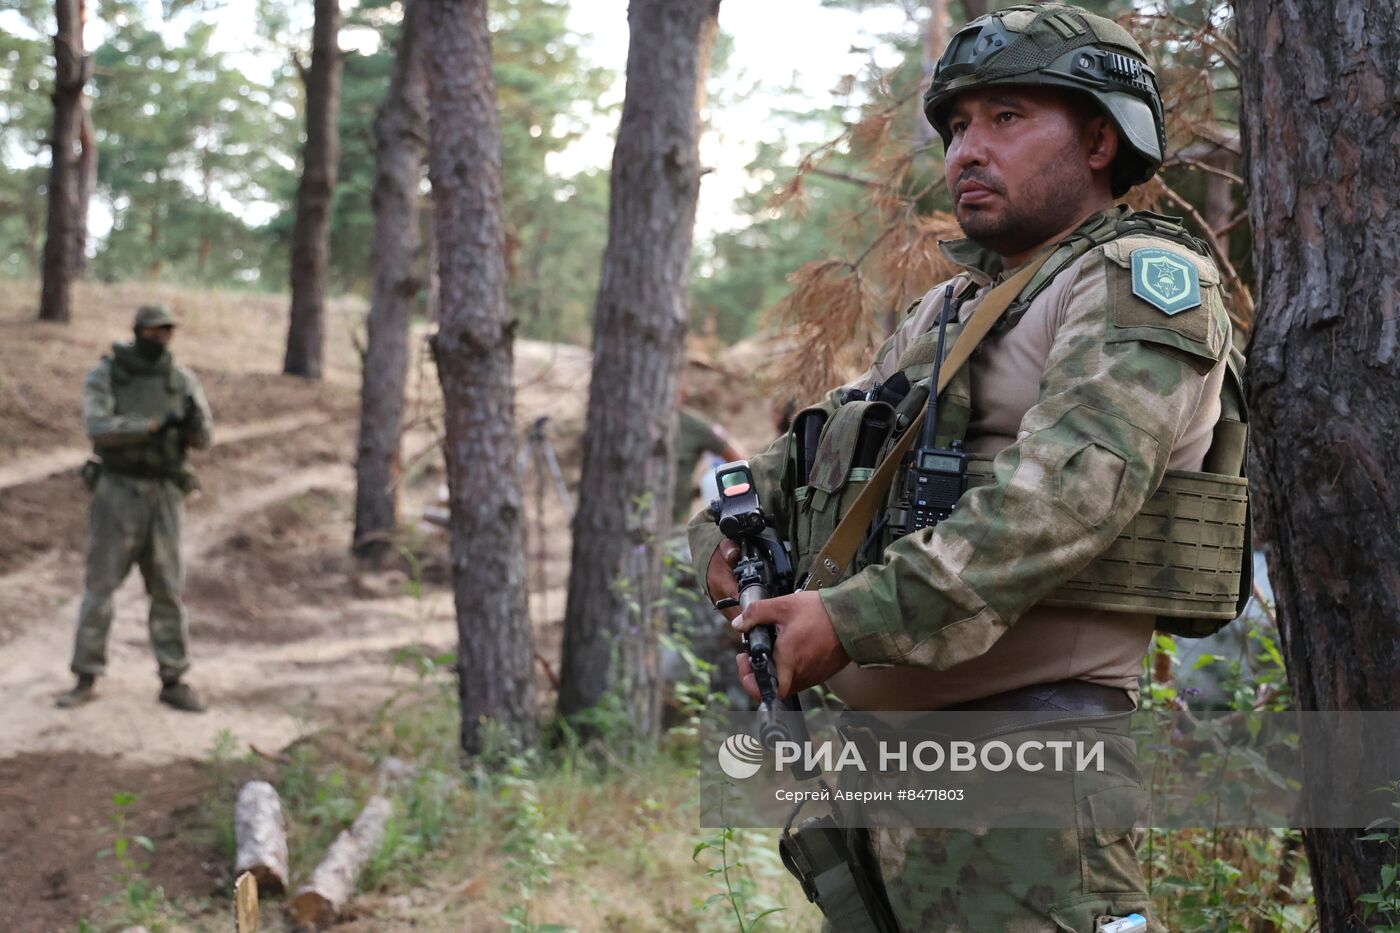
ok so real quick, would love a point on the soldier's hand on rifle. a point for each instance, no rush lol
(806, 651)
(719, 578)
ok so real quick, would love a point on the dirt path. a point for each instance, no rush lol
(127, 722)
(42, 466)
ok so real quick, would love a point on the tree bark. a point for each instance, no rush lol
(972, 9)
(260, 837)
(433, 298)
(935, 39)
(87, 169)
(332, 884)
(473, 349)
(610, 629)
(400, 134)
(311, 233)
(1322, 150)
(71, 71)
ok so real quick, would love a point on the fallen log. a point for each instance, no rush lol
(321, 899)
(260, 837)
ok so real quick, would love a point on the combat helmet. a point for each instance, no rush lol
(1056, 45)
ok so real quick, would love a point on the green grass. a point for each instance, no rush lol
(588, 835)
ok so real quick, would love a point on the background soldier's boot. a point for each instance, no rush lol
(83, 691)
(182, 697)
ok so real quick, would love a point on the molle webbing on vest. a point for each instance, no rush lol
(1224, 459)
(1179, 558)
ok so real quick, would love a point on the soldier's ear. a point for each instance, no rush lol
(1101, 142)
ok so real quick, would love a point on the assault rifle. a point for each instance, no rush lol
(764, 569)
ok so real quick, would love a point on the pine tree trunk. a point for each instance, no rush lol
(1320, 141)
(400, 134)
(87, 167)
(65, 187)
(935, 39)
(973, 9)
(434, 297)
(610, 633)
(473, 349)
(87, 181)
(311, 233)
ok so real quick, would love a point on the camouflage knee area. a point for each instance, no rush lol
(163, 570)
(116, 537)
(961, 881)
(1029, 880)
(90, 639)
(1015, 880)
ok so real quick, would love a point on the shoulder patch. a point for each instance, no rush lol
(1165, 280)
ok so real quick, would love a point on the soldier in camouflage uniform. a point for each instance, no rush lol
(1105, 373)
(142, 413)
(695, 435)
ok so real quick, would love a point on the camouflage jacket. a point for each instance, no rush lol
(1124, 390)
(122, 395)
(695, 435)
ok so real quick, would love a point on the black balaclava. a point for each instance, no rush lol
(148, 350)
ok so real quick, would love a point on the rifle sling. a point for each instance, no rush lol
(831, 562)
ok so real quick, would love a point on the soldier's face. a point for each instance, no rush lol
(1021, 165)
(161, 335)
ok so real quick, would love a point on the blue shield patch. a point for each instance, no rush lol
(1165, 280)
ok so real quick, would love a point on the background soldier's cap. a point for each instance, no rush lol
(154, 316)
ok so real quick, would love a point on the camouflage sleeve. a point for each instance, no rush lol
(1113, 400)
(716, 440)
(104, 426)
(199, 430)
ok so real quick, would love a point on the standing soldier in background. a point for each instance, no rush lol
(142, 413)
(695, 435)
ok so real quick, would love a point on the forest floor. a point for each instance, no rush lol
(299, 650)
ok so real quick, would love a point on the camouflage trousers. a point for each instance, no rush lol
(134, 521)
(1018, 880)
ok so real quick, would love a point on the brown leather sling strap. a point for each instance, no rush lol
(836, 554)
